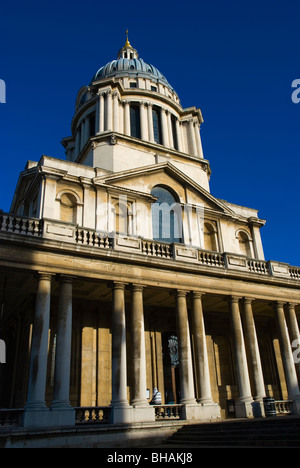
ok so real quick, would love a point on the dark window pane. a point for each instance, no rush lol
(157, 126)
(135, 123)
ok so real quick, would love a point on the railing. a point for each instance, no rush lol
(11, 417)
(283, 407)
(18, 225)
(92, 415)
(71, 233)
(157, 249)
(168, 412)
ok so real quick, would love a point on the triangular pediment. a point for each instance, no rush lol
(143, 179)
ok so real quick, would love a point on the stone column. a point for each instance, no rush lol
(150, 123)
(253, 350)
(127, 129)
(179, 135)
(192, 137)
(294, 335)
(35, 404)
(141, 409)
(101, 113)
(63, 348)
(287, 357)
(244, 402)
(198, 141)
(170, 130)
(201, 357)
(185, 355)
(109, 114)
(165, 133)
(116, 111)
(144, 126)
(119, 400)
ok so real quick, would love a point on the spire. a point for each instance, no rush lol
(127, 43)
(128, 52)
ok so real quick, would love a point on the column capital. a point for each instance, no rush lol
(197, 294)
(248, 300)
(65, 278)
(137, 287)
(117, 285)
(44, 275)
(232, 299)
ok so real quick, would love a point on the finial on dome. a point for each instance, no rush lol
(127, 43)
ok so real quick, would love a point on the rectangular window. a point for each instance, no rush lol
(135, 123)
(133, 84)
(157, 126)
(174, 132)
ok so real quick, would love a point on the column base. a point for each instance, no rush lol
(198, 412)
(45, 418)
(296, 405)
(244, 409)
(121, 414)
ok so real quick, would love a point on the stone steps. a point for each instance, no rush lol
(279, 432)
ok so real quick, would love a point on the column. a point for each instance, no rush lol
(192, 137)
(109, 118)
(243, 405)
(63, 346)
(179, 135)
(185, 355)
(286, 353)
(39, 354)
(200, 346)
(143, 117)
(82, 133)
(138, 347)
(198, 141)
(253, 350)
(170, 130)
(150, 123)
(119, 364)
(101, 113)
(165, 139)
(116, 111)
(294, 334)
(127, 129)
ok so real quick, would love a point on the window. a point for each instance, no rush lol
(135, 123)
(133, 84)
(166, 216)
(174, 132)
(157, 126)
(153, 88)
(92, 125)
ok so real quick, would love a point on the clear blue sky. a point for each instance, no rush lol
(235, 60)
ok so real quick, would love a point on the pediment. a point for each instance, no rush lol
(143, 180)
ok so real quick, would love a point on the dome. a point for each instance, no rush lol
(129, 64)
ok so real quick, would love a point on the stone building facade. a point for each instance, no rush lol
(121, 273)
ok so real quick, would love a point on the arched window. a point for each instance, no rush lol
(166, 216)
(210, 237)
(244, 243)
(68, 208)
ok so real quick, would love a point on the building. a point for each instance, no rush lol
(121, 273)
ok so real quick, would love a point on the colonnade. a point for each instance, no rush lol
(113, 114)
(192, 371)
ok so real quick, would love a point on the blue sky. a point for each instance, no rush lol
(235, 60)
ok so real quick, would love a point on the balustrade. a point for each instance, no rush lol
(92, 415)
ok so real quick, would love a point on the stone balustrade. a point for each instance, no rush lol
(70, 233)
